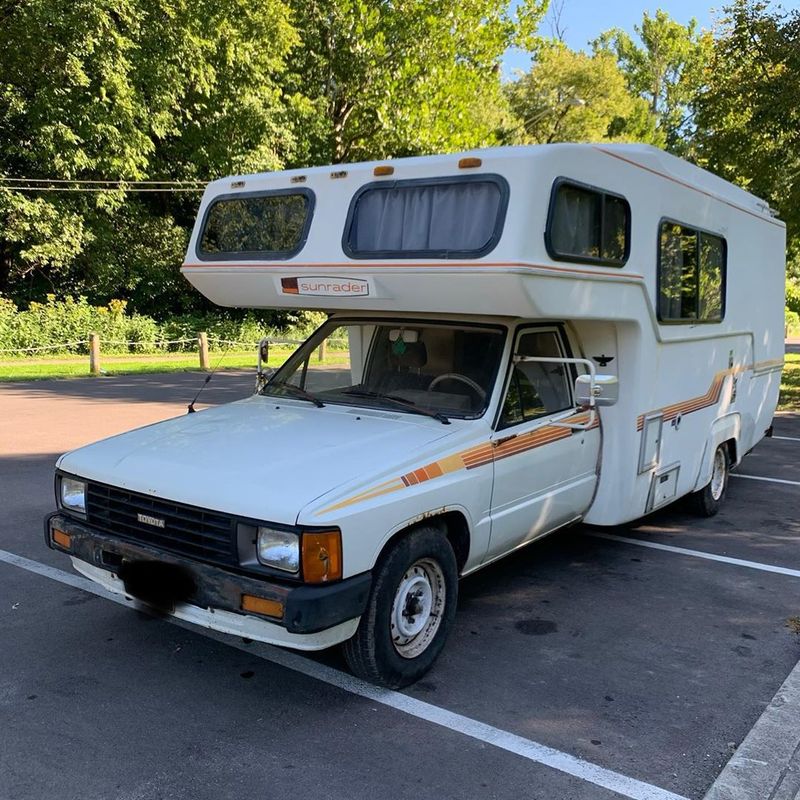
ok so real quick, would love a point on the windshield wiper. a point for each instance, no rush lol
(410, 404)
(301, 393)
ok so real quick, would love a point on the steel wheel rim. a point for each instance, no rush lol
(718, 475)
(418, 607)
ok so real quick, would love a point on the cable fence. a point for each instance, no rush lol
(96, 348)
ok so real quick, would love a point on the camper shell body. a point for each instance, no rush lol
(679, 306)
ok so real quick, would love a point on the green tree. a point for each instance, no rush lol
(666, 69)
(571, 96)
(374, 79)
(748, 115)
(126, 89)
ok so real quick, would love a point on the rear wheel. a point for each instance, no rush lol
(709, 499)
(410, 611)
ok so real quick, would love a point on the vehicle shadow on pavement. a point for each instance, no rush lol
(178, 387)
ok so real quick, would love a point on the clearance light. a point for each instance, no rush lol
(384, 169)
(62, 539)
(298, 179)
(469, 163)
(342, 173)
(237, 184)
(261, 605)
(322, 556)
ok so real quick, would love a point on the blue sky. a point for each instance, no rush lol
(585, 19)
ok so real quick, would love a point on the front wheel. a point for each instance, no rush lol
(410, 611)
(709, 499)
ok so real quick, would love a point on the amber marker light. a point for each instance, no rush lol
(62, 539)
(469, 163)
(261, 605)
(383, 169)
(322, 556)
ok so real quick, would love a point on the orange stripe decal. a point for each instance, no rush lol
(710, 398)
(477, 456)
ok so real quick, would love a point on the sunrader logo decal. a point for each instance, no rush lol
(325, 287)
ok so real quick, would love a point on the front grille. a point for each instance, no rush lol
(189, 531)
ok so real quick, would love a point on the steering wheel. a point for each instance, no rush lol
(457, 376)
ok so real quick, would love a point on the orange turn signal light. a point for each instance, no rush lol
(322, 556)
(383, 169)
(62, 539)
(261, 605)
(468, 163)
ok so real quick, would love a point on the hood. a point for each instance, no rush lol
(261, 457)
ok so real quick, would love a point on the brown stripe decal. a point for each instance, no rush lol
(710, 398)
(474, 457)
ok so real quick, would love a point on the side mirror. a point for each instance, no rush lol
(263, 352)
(605, 391)
(263, 372)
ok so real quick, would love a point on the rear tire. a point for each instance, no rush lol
(410, 611)
(708, 501)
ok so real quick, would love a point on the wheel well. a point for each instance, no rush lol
(731, 445)
(453, 524)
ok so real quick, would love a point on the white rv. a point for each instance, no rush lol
(519, 339)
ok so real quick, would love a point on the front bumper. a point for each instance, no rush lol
(307, 609)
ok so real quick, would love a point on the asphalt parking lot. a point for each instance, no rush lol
(594, 664)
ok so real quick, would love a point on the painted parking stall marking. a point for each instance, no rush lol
(766, 480)
(510, 742)
(683, 551)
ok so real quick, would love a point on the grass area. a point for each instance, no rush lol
(790, 384)
(72, 367)
(78, 367)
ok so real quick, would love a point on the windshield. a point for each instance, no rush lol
(414, 367)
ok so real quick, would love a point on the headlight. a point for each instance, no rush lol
(73, 495)
(279, 549)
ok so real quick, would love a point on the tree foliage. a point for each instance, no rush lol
(374, 79)
(748, 113)
(570, 96)
(665, 68)
(171, 89)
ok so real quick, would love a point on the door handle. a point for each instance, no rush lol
(498, 442)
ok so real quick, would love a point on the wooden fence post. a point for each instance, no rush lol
(94, 353)
(322, 349)
(202, 343)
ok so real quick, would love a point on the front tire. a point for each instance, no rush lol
(708, 501)
(410, 611)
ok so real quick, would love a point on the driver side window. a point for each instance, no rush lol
(537, 388)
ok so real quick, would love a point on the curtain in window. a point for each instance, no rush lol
(437, 217)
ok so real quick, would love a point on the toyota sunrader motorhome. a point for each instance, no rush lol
(519, 339)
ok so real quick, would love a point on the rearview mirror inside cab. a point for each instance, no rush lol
(605, 390)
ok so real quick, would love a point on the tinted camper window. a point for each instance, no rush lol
(442, 218)
(587, 225)
(691, 275)
(258, 225)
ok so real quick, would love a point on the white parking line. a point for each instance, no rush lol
(737, 562)
(786, 438)
(767, 480)
(526, 748)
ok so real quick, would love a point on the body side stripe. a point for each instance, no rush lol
(472, 458)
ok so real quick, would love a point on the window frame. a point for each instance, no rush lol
(563, 340)
(557, 255)
(482, 177)
(258, 255)
(724, 287)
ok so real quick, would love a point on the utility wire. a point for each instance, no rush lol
(120, 182)
(94, 189)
